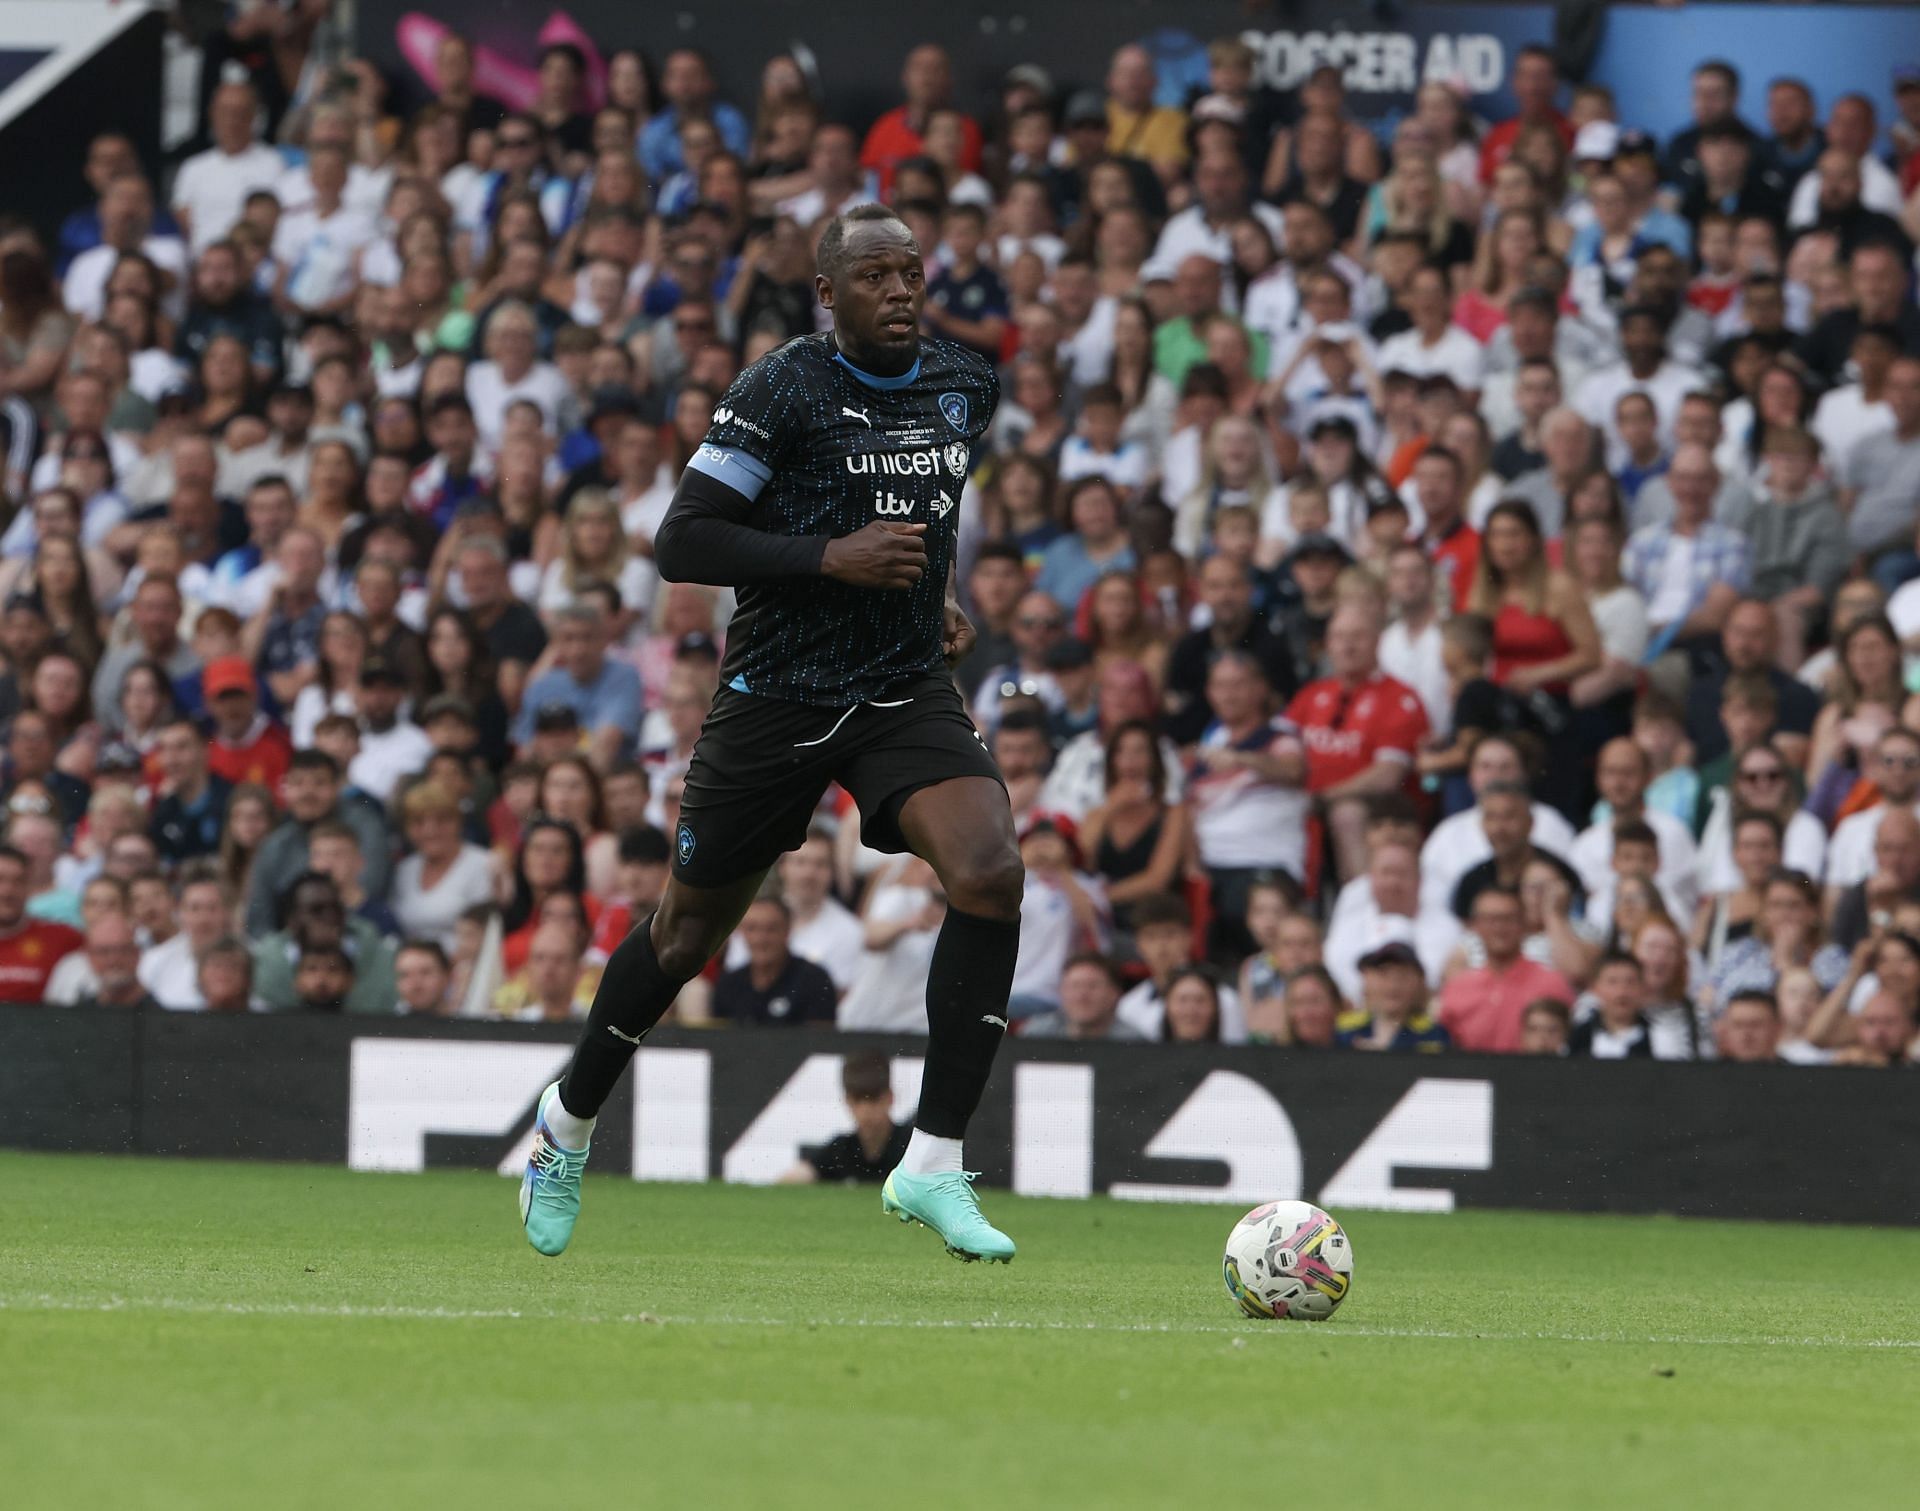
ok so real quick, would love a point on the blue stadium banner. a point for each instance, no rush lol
(1386, 51)
(1142, 1122)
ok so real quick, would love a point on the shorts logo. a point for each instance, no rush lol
(683, 844)
(956, 455)
(954, 407)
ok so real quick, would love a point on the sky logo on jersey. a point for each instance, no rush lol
(942, 505)
(954, 407)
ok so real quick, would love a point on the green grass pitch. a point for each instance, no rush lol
(210, 1336)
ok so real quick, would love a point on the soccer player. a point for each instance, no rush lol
(825, 494)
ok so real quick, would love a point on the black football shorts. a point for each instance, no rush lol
(761, 764)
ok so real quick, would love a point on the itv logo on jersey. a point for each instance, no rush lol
(894, 463)
(891, 505)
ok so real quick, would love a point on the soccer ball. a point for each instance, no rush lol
(1288, 1259)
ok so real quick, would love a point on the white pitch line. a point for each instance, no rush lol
(47, 1303)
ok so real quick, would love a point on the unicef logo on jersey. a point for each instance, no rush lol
(956, 455)
(683, 844)
(954, 407)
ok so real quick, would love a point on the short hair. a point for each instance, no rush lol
(427, 798)
(315, 760)
(642, 845)
(1751, 690)
(866, 1076)
(1098, 961)
(1619, 958)
(1000, 550)
(424, 947)
(1723, 70)
(1771, 821)
(1754, 995)
(1472, 633)
(332, 828)
(1160, 910)
(1635, 831)
(831, 259)
(1551, 1007)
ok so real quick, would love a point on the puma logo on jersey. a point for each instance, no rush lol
(857, 414)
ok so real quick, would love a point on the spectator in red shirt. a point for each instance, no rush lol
(247, 746)
(1536, 79)
(927, 82)
(1362, 729)
(1451, 543)
(29, 947)
(1483, 1008)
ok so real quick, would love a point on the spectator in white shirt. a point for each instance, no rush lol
(391, 747)
(1896, 772)
(170, 972)
(1435, 344)
(1459, 843)
(1851, 130)
(318, 247)
(1622, 775)
(1393, 911)
(1410, 646)
(1205, 227)
(212, 186)
(1847, 415)
(126, 227)
(821, 929)
(513, 371)
(1644, 368)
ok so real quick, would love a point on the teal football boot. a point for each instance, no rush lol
(946, 1203)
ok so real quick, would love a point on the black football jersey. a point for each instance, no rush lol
(824, 449)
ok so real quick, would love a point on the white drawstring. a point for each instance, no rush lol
(809, 744)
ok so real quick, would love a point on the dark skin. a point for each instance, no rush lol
(962, 827)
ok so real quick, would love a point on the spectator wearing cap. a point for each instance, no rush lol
(1070, 663)
(1481, 1008)
(1392, 1012)
(246, 745)
(313, 793)
(314, 922)
(603, 693)
(156, 628)
(775, 988)
(1730, 177)
(867, 1154)
(392, 746)
(1388, 907)
(190, 811)
(1089, 1007)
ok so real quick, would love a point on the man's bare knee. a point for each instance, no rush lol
(989, 882)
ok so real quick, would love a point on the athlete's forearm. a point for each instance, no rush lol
(705, 539)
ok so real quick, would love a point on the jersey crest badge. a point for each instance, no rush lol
(683, 842)
(956, 455)
(954, 407)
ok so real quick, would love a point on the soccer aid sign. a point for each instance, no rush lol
(1380, 62)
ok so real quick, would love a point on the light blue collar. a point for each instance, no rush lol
(874, 380)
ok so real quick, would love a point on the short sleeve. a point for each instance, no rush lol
(1404, 727)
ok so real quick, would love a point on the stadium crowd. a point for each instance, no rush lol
(1442, 588)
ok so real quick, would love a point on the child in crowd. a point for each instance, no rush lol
(1095, 449)
(1660, 730)
(1480, 708)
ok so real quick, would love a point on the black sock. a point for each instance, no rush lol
(634, 993)
(967, 986)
